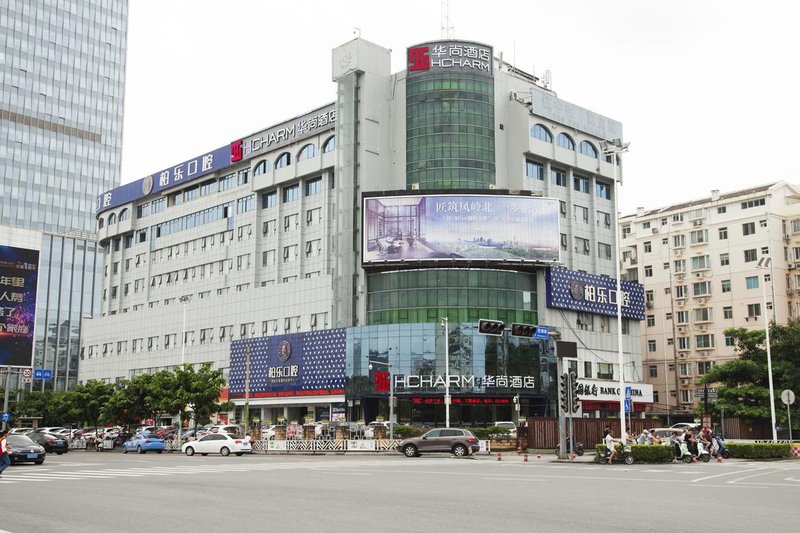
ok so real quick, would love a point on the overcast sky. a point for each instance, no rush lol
(707, 91)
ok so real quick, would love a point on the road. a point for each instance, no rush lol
(103, 492)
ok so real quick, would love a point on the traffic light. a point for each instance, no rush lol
(491, 327)
(573, 379)
(522, 330)
(563, 391)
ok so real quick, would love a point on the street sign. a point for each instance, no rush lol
(627, 405)
(27, 380)
(37, 373)
(47, 374)
(5, 417)
(27, 372)
(787, 397)
(628, 392)
(541, 332)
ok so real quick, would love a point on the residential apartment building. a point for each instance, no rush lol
(459, 188)
(708, 265)
(62, 85)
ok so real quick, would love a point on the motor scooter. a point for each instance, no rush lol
(682, 452)
(719, 448)
(702, 453)
(626, 456)
(577, 447)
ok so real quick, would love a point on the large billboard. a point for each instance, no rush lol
(460, 227)
(298, 364)
(19, 270)
(450, 56)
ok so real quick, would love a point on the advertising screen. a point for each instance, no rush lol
(297, 364)
(589, 293)
(19, 269)
(460, 227)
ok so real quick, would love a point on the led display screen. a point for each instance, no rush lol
(19, 270)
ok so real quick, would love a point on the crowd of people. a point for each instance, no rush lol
(702, 442)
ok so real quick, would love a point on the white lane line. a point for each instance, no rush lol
(720, 475)
(754, 475)
(345, 474)
(511, 479)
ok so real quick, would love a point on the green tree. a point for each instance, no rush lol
(743, 383)
(198, 390)
(86, 401)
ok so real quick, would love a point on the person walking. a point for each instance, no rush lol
(5, 458)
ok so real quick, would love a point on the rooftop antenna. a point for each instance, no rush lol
(448, 32)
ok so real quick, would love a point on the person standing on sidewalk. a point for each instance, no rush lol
(5, 458)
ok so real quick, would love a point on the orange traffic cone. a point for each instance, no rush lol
(499, 457)
(574, 455)
(525, 458)
(538, 455)
(719, 458)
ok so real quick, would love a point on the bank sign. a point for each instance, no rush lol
(19, 274)
(588, 293)
(450, 56)
(299, 364)
(608, 391)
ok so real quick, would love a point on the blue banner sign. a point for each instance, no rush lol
(19, 275)
(588, 293)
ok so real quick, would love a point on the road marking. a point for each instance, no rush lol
(717, 475)
(511, 479)
(754, 475)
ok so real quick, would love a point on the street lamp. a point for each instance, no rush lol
(614, 148)
(445, 325)
(184, 301)
(764, 264)
(391, 394)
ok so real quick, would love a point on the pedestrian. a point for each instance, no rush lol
(611, 444)
(5, 458)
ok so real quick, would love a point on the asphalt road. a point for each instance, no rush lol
(111, 492)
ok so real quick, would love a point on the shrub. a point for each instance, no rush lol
(481, 433)
(404, 432)
(761, 450)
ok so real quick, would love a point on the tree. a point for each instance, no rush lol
(199, 390)
(86, 401)
(743, 384)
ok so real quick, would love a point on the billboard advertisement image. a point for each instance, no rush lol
(460, 227)
(19, 269)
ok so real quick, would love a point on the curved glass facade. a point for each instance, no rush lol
(450, 131)
(491, 372)
(462, 295)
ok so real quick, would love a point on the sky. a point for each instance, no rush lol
(706, 90)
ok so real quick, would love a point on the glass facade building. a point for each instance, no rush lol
(62, 83)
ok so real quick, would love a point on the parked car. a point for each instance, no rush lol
(369, 429)
(20, 431)
(220, 442)
(509, 426)
(143, 443)
(51, 443)
(47, 429)
(686, 425)
(23, 450)
(664, 434)
(459, 442)
(230, 429)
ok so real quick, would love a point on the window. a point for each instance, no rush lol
(651, 321)
(603, 250)
(703, 314)
(558, 177)
(604, 219)
(682, 317)
(291, 193)
(585, 321)
(580, 184)
(313, 216)
(307, 152)
(753, 310)
(243, 262)
(753, 203)
(540, 132)
(289, 253)
(313, 186)
(723, 234)
(565, 141)
(581, 213)
(329, 145)
(534, 169)
(704, 341)
(704, 366)
(626, 230)
(724, 259)
(651, 345)
(681, 291)
(748, 228)
(243, 205)
(684, 343)
(677, 217)
(701, 262)
(243, 176)
(726, 285)
(648, 247)
(727, 312)
(602, 190)
(605, 371)
(587, 370)
(313, 247)
(721, 210)
(262, 167)
(686, 396)
(588, 148)
(679, 241)
(679, 265)
(563, 241)
(751, 282)
(581, 246)
(699, 236)
(291, 222)
(702, 288)
(284, 160)
(750, 255)
(562, 207)
(653, 371)
(646, 225)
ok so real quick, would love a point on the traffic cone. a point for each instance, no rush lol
(719, 458)
(525, 458)
(538, 455)
(499, 458)
(574, 455)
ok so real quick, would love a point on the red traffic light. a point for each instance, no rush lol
(491, 327)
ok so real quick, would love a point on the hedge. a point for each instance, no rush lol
(762, 450)
(644, 453)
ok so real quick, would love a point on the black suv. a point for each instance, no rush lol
(459, 442)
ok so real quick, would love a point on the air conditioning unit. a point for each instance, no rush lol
(649, 305)
(684, 381)
(492, 186)
(678, 251)
(787, 237)
(679, 277)
(791, 266)
(701, 327)
(701, 300)
(790, 292)
(655, 231)
(681, 329)
(704, 353)
(681, 303)
(797, 291)
(698, 275)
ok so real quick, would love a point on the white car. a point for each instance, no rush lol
(509, 426)
(221, 443)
